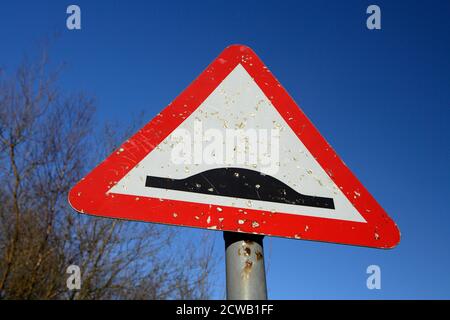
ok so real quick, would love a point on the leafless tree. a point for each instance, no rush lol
(46, 145)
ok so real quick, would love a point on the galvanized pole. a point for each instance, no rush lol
(246, 276)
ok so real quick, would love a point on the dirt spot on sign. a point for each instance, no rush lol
(247, 269)
(259, 255)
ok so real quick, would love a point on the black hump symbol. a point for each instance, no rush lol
(240, 183)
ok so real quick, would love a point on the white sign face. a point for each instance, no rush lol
(234, 152)
(238, 128)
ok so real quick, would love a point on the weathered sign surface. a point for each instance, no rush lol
(234, 152)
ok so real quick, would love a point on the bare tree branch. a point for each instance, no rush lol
(47, 143)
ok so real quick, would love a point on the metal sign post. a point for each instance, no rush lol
(245, 272)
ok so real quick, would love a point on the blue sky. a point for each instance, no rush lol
(381, 98)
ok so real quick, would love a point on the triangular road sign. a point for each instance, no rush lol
(234, 152)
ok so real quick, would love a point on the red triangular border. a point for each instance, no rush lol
(90, 194)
